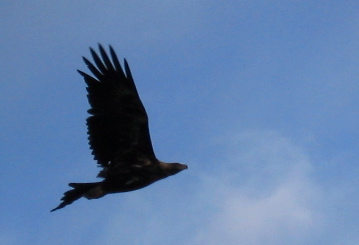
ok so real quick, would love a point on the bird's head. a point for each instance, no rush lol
(173, 168)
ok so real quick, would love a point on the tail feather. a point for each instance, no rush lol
(72, 195)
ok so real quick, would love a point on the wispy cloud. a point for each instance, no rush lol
(275, 203)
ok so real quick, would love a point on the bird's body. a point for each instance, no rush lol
(118, 133)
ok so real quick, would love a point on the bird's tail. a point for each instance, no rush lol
(80, 190)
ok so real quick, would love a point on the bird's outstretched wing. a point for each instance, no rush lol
(118, 125)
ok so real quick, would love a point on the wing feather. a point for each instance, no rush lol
(115, 59)
(93, 69)
(106, 59)
(98, 61)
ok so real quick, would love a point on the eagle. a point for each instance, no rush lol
(118, 133)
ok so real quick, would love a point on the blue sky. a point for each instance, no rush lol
(259, 98)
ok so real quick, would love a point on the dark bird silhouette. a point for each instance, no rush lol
(118, 133)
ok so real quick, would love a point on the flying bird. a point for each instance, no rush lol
(118, 133)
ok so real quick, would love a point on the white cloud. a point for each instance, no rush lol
(275, 204)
